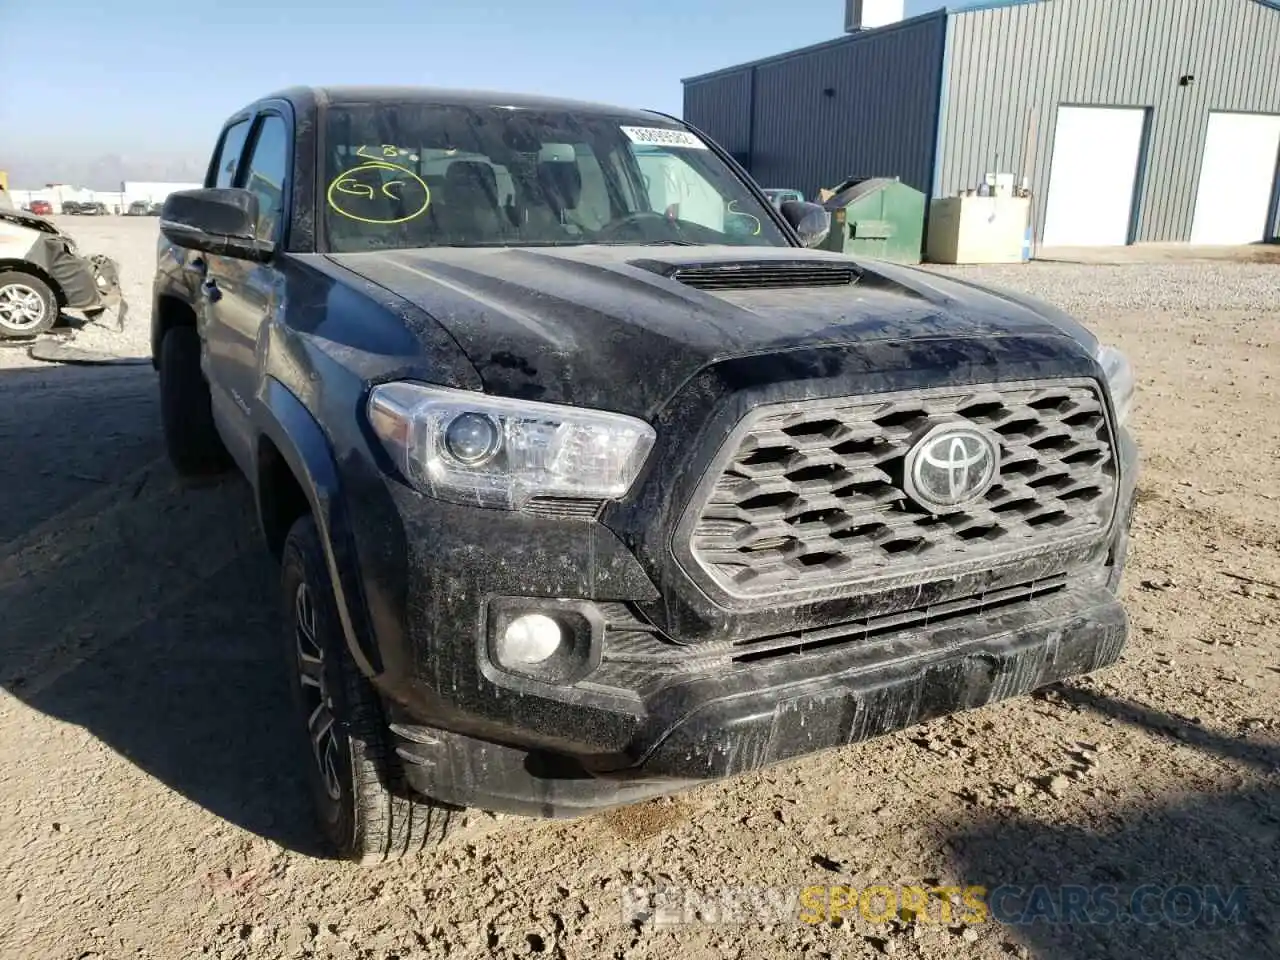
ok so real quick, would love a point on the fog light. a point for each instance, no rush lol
(531, 638)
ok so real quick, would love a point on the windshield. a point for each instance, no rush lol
(430, 175)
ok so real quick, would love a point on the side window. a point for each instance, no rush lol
(266, 172)
(224, 171)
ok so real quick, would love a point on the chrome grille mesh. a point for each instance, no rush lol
(812, 496)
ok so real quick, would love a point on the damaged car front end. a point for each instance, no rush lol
(42, 272)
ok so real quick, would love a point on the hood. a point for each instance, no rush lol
(31, 220)
(577, 324)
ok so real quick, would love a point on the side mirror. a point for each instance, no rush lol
(216, 220)
(810, 220)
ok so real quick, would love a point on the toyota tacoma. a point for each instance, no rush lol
(591, 479)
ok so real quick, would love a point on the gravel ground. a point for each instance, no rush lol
(148, 812)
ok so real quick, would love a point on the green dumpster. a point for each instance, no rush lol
(878, 217)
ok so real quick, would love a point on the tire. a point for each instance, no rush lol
(186, 414)
(27, 306)
(364, 808)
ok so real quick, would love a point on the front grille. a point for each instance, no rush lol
(812, 497)
(638, 658)
(870, 628)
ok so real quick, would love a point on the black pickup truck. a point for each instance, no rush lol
(592, 480)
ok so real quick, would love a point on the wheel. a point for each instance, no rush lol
(27, 305)
(186, 414)
(364, 807)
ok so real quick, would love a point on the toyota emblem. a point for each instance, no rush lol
(951, 467)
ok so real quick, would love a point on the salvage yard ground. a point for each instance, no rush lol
(151, 808)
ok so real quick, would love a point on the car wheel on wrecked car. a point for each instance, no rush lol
(27, 305)
(186, 412)
(365, 809)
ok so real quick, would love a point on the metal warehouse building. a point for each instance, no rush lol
(1130, 120)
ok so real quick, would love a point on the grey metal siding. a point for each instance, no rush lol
(720, 106)
(1010, 67)
(880, 118)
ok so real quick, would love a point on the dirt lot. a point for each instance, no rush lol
(147, 810)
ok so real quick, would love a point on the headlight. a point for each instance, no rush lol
(1120, 380)
(495, 452)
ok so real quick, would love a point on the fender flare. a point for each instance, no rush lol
(165, 289)
(298, 437)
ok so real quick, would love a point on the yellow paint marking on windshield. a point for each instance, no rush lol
(388, 150)
(348, 184)
(739, 213)
(355, 189)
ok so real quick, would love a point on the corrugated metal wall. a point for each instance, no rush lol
(721, 105)
(879, 119)
(1010, 64)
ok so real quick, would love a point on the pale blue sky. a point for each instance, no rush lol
(141, 77)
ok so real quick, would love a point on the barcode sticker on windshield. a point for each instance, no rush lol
(663, 137)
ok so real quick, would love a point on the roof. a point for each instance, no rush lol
(855, 37)
(345, 95)
(951, 9)
(973, 6)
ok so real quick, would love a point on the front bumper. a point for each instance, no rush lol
(720, 726)
(90, 284)
(96, 285)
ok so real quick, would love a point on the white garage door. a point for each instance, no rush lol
(1236, 178)
(1091, 181)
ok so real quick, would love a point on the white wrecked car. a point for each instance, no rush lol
(41, 273)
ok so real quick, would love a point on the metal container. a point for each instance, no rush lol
(878, 217)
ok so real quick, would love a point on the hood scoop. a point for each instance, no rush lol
(758, 274)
